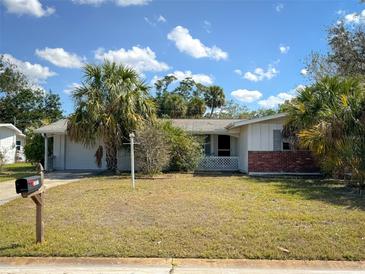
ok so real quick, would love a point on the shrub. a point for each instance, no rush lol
(34, 147)
(186, 150)
(152, 151)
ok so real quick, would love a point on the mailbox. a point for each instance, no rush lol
(28, 185)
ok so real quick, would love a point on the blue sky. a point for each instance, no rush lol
(255, 50)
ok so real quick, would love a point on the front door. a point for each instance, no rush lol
(224, 145)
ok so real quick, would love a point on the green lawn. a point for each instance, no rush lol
(191, 216)
(15, 171)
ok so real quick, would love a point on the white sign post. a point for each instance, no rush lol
(131, 136)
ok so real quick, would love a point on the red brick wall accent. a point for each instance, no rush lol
(281, 161)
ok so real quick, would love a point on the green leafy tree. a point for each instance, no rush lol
(21, 103)
(214, 98)
(329, 119)
(346, 56)
(179, 100)
(112, 102)
(27, 107)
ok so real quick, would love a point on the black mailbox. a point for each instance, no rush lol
(28, 185)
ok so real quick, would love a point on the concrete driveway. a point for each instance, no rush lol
(7, 189)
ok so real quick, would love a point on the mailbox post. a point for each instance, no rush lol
(33, 187)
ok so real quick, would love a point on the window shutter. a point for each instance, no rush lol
(277, 140)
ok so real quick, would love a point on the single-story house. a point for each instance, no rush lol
(249, 146)
(12, 141)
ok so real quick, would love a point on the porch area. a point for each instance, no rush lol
(218, 163)
(220, 153)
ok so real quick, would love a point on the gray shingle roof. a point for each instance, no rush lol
(204, 125)
(190, 125)
(57, 127)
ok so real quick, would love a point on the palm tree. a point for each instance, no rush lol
(327, 118)
(196, 107)
(214, 98)
(112, 102)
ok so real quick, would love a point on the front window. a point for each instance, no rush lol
(280, 143)
(206, 145)
(18, 145)
(286, 145)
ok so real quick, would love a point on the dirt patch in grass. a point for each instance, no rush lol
(191, 216)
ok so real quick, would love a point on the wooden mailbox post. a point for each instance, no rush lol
(38, 199)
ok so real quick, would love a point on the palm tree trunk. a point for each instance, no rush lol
(211, 112)
(111, 155)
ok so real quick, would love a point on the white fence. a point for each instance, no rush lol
(218, 163)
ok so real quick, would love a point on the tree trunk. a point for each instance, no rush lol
(211, 112)
(111, 155)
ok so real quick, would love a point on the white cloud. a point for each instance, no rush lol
(279, 7)
(260, 74)
(161, 19)
(142, 59)
(71, 88)
(199, 78)
(181, 75)
(122, 3)
(238, 72)
(355, 18)
(247, 96)
(89, 2)
(284, 49)
(149, 21)
(34, 72)
(207, 26)
(274, 101)
(304, 72)
(28, 7)
(61, 58)
(153, 22)
(194, 47)
(125, 3)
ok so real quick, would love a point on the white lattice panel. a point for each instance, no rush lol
(218, 163)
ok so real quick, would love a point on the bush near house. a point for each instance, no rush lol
(328, 117)
(153, 150)
(34, 147)
(171, 148)
(186, 150)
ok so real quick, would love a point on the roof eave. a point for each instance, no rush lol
(256, 120)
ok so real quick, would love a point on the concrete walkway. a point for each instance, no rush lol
(176, 266)
(7, 189)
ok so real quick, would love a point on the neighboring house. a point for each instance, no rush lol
(12, 141)
(249, 146)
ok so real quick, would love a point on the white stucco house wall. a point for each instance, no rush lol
(12, 141)
(249, 146)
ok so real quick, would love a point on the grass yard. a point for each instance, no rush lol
(191, 216)
(15, 171)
